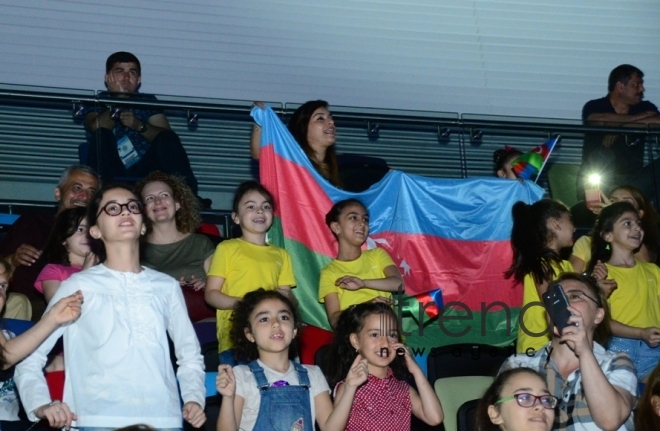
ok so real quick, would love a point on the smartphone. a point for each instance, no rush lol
(557, 305)
(592, 196)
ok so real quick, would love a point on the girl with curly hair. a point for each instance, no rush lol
(272, 391)
(171, 244)
(369, 332)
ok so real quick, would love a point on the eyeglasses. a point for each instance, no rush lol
(574, 296)
(529, 400)
(114, 209)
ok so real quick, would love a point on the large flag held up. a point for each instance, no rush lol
(449, 238)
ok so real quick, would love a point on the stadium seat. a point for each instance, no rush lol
(453, 392)
(466, 360)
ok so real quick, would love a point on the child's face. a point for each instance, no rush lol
(125, 226)
(563, 229)
(510, 416)
(255, 213)
(627, 232)
(375, 342)
(78, 243)
(272, 326)
(353, 225)
(507, 168)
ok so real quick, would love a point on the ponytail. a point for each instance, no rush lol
(530, 237)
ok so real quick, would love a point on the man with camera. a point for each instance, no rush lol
(132, 142)
(596, 388)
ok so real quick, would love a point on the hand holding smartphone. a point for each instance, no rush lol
(557, 306)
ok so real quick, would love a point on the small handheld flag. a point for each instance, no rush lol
(532, 163)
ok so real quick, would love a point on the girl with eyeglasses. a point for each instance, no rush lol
(596, 388)
(518, 399)
(118, 367)
(635, 303)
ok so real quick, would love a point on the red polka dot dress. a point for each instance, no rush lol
(381, 405)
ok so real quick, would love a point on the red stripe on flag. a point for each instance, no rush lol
(471, 272)
(300, 202)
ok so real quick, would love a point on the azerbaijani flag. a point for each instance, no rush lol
(532, 163)
(449, 238)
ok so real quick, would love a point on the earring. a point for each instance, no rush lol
(607, 247)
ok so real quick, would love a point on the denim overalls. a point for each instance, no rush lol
(284, 408)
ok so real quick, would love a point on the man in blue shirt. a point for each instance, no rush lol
(619, 158)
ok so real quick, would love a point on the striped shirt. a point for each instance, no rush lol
(573, 412)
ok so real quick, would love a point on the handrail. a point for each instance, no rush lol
(447, 120)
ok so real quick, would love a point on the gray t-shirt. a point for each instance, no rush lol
(183, 258)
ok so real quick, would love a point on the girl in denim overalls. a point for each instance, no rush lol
(272, 392)
(385, 401)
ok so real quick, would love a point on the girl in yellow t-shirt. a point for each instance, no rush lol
(356, 276)
(635, 303)
(648, 252)
(539, 232)
(244, 264)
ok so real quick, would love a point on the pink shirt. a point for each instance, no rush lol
(54, 271)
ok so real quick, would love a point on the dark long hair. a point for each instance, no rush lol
(530, 237)
(601, 249)
(494, 393)
(66, 224)
(244, 349)
(299, 125)
(645, 417)
(351, 321)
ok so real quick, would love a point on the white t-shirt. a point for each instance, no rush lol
(246, 387)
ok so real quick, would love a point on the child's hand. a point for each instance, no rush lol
(67, 309)
(349, 282)
(225, 382)
(600, 271)
(358, 373)
(651, 336)
(608, 286)
(400, 349)
(194, 414)
(90, 260)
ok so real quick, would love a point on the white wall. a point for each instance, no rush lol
(494, 57)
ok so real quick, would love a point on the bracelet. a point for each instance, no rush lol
(52, 403)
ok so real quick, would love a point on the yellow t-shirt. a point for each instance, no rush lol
(582, 249)
(370, 265)
(247, 267)
(535, 319)
(635, 300)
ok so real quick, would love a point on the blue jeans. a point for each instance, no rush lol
(644, 357)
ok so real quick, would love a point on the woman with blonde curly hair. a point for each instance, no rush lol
(171, 245)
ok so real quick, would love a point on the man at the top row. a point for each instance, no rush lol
(619, 158)
(132, 142)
